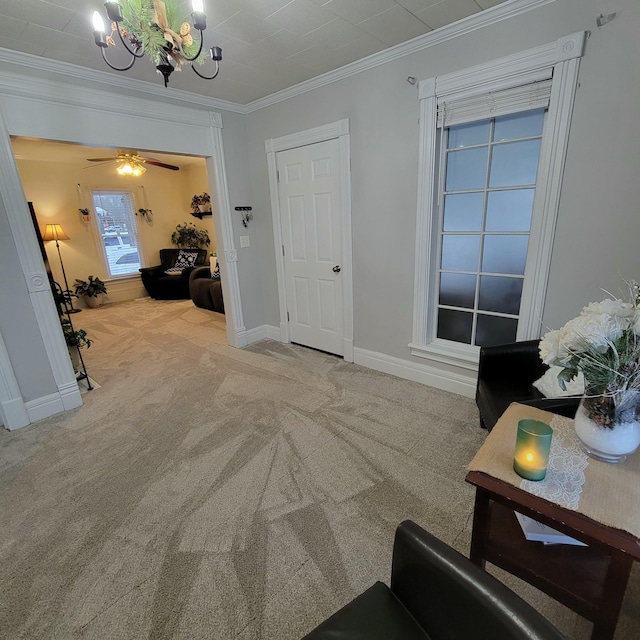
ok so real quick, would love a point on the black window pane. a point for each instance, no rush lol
(501, 295)
(460, 253)
(492, 330)
(467, 169)
(514, 163)
(457, 289)
(510, 210)
(455, 325)
(519, 125)
(463, 211)
(505, 254)
(466, 135)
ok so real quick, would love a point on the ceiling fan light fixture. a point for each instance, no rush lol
(131, 166)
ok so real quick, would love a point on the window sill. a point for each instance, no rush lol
(123, 278)
(446, 353)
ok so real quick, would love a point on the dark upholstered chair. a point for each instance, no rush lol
(436, 594)
(506, 374)
(161, 286)
(206, 292)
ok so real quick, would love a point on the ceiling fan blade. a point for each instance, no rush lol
(93, 166)
(101, 159)
(156, 163)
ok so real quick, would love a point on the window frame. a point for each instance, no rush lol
(558, 61)
(99, 237)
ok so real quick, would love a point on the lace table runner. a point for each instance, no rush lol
(607, 493)
(565, 473)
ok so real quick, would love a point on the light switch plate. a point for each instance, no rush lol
(244, 241)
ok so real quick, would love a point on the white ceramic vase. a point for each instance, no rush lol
(608, 432)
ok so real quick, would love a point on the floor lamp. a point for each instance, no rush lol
(55, 232)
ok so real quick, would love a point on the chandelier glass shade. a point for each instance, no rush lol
(130, 165)
(157, 29)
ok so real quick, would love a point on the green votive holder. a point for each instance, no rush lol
(533, 444)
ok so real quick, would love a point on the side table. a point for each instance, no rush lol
(589, 580)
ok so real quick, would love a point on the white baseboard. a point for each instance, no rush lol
(14, 414)
(262, 333)
(44, 407)
(67, 398)
(446, 380)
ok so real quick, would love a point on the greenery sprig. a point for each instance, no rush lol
(139, 22)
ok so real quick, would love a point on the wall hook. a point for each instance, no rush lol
(246, 215)
(601, 20)
(412, 80)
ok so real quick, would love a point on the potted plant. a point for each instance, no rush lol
(201, 203)
(75, 339)
(91, 290)
(147, 214)
(188, 236)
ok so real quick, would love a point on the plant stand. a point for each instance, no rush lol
(81, 370)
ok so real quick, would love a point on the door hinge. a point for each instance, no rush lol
(277, 175)
(288, 318)
(283, 251)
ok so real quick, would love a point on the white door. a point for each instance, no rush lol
(309, 189)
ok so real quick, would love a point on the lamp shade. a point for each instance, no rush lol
(54, 232)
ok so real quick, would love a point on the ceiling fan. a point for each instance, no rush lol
(132, 163)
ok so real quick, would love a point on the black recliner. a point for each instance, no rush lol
(436, 594)
(160, 285)
(506, 374)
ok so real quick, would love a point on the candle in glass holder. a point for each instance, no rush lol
(533, 443)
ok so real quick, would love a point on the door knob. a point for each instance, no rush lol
(337, 269)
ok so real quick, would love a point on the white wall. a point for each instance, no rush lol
(599, 221)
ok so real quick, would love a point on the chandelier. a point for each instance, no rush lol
(156, 28)
(130, 165)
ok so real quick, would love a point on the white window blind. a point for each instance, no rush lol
(458, 110)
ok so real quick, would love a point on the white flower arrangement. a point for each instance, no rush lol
(603, 343)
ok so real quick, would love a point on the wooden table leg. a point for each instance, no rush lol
(613, 589)
(480, 530)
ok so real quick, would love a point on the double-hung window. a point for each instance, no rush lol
(116, 224)
(492, 145)
(485, 203)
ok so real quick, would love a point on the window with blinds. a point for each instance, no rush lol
(485, 199)
(118, 232)
(493, 139)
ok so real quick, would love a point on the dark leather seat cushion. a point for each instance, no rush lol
(375, 614)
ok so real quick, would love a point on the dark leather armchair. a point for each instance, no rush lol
(506, 374)
(161, 286)
(436, 594)
(205, 292)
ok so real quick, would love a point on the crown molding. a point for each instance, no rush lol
(110, 80)
(490, 16)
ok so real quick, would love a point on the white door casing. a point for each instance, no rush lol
(339, 284)
(43, 108)
(309, 194)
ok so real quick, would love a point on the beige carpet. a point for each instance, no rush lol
(210, 492)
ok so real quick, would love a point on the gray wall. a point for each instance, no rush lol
(598, 224)
(250, 259)
(18, 325)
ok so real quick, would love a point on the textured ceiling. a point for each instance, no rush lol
(268, 45)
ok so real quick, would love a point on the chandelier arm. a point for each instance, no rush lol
(104, 57)
(138, 52)
(186, 57)
(207, 77)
